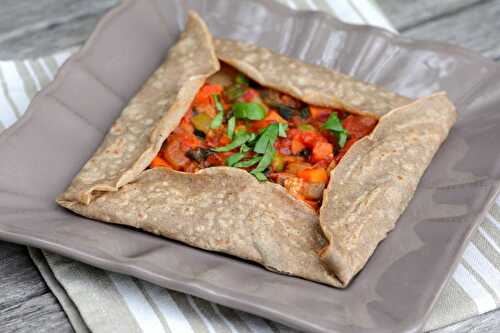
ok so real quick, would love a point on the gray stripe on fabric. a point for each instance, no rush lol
(40, 74)
(6, 92)
(488, 251)
(51, 64)
(69, 307)
(217, 323)
(452, 297)
(28, 83)
(233, 317)
(153, 304)
(94, 294)
(493, 233)
(480, 279)
(192, 317)
(495, 212)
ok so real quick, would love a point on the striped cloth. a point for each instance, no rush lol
(101, 302)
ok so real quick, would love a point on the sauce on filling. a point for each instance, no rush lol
(270, 134)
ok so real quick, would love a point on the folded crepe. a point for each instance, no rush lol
(227, 209)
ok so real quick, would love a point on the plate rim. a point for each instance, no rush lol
(194, 288)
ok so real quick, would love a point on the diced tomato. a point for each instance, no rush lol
(224, 140)
(217, 138)
(322, 151)
(189, 140)
(175, 155)
(283, 146)
(297, 146)
(205, 94)
(310, 138)
(314, 175)
(358, 126)
(250, 95)
(217, 159)
(319, 113)
(159, 162)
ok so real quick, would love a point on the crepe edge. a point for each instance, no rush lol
(313, 94)
(345, 263)
(160, 132)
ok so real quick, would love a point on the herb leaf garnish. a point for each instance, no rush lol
(235, 158)
(266, 138)
(248, 163)
(335, 125)
(231, 123)
(251, 111)
(282, 128)
(239, 139)
(217, 121)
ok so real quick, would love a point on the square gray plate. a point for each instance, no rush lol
(394, 293)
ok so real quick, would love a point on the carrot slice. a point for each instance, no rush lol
(159, 162)
(314, 175)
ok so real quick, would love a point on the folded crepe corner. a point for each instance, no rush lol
(226, 209)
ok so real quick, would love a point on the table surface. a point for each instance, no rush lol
(35, 28)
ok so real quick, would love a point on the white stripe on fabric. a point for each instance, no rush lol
(173, 315)
(45, 69)
(482, 266)
(256, 324)
(205, 320)
(373, 14)
(492, 219)
(33, 76)
(291, 4)
(228, 323)
(15, 85)
(310, 4)
(137, 303)
(490, 240)
(344, 11)
(483, 300)
(61, 57)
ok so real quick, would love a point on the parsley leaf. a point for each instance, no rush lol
(231, 123)
(235, 158)
(260, 176)
(239, 139)
(248, 163)
(266, 138)
(282, 128)
(265, 161)
(217, 121)
(218, 104)
(251, 111)
(335, 125)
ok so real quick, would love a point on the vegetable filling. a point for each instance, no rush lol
(270, 134)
